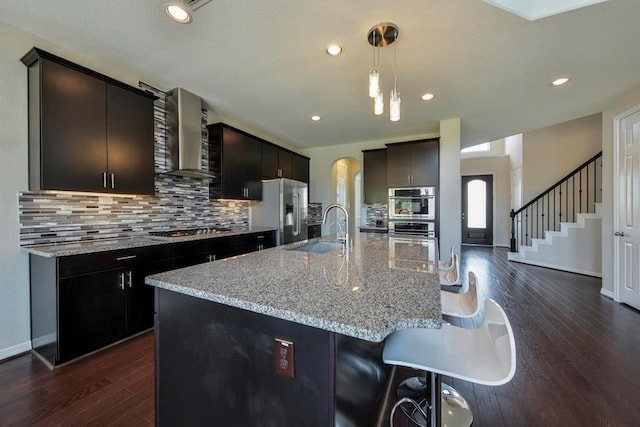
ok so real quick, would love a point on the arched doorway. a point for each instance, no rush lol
(346, 189)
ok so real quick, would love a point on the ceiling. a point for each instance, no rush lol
(261, 65)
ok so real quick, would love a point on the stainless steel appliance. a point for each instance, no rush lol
(189, 232)
(421, 228)
(184, 134)
(412, 203)
(284, 207)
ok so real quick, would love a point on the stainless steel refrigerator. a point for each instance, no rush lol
(284, 207)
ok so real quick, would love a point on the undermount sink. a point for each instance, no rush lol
(321, 247)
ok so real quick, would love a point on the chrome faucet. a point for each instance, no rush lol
(345, 238)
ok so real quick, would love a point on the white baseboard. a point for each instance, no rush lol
(5, 353)
(607, 293)
(558, 267)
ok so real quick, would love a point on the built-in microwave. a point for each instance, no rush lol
(412, 203)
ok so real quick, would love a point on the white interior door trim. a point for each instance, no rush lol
(616, 197)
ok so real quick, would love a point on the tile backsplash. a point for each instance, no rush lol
(375, 212)
(180, 202)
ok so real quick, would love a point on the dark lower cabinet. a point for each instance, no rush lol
(92, 312)
(82, 303)
(314, 231)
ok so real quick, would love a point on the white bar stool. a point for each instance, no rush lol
(450, 276)
(465, 304)
(486, 356)
(445, 265)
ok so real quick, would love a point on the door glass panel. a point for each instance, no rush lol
(477, 204)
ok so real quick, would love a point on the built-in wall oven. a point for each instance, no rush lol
(403, 226)
(412, 211)
(412, 203)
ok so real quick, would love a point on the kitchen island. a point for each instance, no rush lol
(291, 335)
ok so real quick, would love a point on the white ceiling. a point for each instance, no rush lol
(260, 64)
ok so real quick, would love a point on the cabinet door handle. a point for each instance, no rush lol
(113, 180)
(121, 284)
(104, 180)
(130, 277)
(122, 258)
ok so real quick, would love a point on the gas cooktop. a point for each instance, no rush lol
(189, 232)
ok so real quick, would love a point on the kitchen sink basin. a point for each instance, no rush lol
(318, 247)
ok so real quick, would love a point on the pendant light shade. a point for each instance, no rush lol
(394, 106)
(374, 83)
(378, 104)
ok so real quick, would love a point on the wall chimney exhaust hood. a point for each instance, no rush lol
(184, 134)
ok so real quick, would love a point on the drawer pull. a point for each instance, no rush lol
(122, 258)
(259, 237)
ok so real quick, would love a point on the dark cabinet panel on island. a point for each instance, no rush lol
(413, 164)
(375, 176)
(87, 132)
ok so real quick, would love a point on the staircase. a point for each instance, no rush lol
(562, 227)
(577, 247)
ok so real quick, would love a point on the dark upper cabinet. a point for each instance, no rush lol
(87, 132)
(300, 168)
(279, 162)
(241, 155)
(375, 176)
(67, 129)
(270, 168)
(285, 163)
(130, 144)
(413, 164)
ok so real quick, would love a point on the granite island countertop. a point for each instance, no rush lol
(102, 245)
(367, 295)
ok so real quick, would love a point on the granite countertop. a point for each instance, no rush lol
(366, 295)
(87, 247)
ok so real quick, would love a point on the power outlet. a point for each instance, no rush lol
(284, 355)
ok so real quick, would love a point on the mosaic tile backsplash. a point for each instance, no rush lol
(180, 202)
(375, 212)
(314, 213)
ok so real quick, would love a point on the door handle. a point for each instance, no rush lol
(104, 180)
(130, 277)
(619, 233)
(113, 180)
(121, 284)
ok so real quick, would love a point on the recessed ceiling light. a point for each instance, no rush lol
(315, 118)
(178, 12)
(427, 97)
(334, 50)
(560, 81)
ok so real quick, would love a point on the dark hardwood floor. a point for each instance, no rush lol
(577, 362)
(113, 387)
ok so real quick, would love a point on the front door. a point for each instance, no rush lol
(477, 209)
(628, 203)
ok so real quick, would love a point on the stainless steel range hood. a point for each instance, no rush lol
(184, 134)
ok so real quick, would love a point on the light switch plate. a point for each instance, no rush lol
(284, 357)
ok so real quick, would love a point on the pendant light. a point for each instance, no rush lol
(382, 35)
(394, 99)
(374, 76)
(378, 104)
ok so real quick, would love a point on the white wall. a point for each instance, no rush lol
(14, 280)
(500, 168)
(619, 106)
(513, 148)
(550, 153)
(450, 186)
